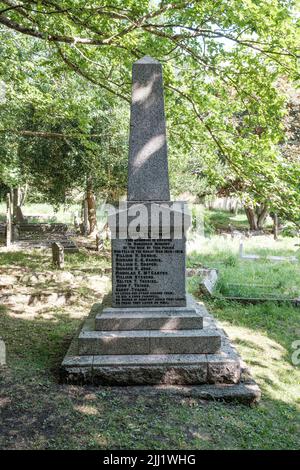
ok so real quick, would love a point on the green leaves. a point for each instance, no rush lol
(70, 65)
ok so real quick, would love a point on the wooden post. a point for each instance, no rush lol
(58, 258)
(8, 220)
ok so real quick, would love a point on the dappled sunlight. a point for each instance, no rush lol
(141, 92)
(34, 289)
(248, 278)
(269, 362)
(87, 410)
(215, 244)
(148, 150)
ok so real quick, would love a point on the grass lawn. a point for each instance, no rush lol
(39, 413)
(250, 278)
(45, 211)
(221, 220)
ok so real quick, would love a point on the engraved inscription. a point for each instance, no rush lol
(148, 272)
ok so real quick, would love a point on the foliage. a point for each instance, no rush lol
(222, 62)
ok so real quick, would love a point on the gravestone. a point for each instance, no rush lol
(149, 331)
(58, 257)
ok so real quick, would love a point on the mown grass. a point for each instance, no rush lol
(222, 220)
(42, 260)
(260, 278)
(39, 413)
(46, 211)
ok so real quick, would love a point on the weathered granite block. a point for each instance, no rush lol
(150, 369)
(109, 342)
(154, 375)
(185, 342)
(149, 342)
(163, 318)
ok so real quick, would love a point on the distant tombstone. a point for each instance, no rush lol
(58, 258)
(99, 242)
(8, 220)
(76, 223)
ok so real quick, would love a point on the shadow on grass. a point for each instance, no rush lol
(278, 322)
(20, 259)
(37, 344)
(42, 260)
(39, 413)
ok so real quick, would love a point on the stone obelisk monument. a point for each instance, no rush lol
(148, 251)
(148, 178)
(149, 331)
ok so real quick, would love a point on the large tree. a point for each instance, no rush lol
(222, 61)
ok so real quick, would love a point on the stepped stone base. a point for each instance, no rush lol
(123, 357)
(165, 318)
(138, 342)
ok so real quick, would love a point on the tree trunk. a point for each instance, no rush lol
(8, 220)
(275, 226)
(262, 213)
(252, 217)
(91, 204)
(23, 195)
(18, 199)
(85, 224)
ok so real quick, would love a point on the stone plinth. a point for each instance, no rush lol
(218, 376)
(148, 264)
(174, 318)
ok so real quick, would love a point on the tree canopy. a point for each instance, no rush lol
(67, 68)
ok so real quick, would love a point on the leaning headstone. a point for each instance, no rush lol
(209, 279)
(8, 220)
(58, 259)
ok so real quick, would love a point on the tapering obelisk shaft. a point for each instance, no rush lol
(148, 161)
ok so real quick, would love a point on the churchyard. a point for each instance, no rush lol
(149, 226)
(38, 412)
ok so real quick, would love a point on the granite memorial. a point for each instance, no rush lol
(149, 331)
